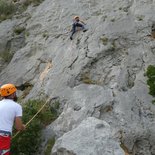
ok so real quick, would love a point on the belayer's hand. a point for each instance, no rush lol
(23, 127)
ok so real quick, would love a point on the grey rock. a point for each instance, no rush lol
(90, 138)
(99, 74)
(88, 98)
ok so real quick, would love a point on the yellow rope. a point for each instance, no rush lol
(33, 117)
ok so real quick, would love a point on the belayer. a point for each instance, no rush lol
(77, 23)
(10, 112)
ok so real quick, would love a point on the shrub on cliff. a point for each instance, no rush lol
(151, 79)
(7, 8)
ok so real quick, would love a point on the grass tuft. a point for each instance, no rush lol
(7, 8)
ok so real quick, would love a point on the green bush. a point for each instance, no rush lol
(6, 55)
(29, 141)
(151, 79)
(6, 9)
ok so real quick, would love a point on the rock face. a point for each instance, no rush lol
(88, 138)
(99, 75)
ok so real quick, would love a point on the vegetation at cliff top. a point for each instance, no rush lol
(10, 7)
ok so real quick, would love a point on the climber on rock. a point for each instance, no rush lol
(77, 23)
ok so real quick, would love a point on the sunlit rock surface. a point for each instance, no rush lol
(100, 74)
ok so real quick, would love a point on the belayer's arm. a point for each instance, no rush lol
(18, 124)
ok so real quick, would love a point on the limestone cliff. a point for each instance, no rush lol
(99, 75)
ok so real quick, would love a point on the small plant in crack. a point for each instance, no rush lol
(152, 31)
(113, 46)
(140, 18)
(45, 35)
(27, 34)
(6, 55)
(151, 79)
(49, 146)
(85, 78)
(19, 30)
(104, 40)
(112, 20)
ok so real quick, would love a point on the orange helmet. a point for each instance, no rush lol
(7, 89)
(76, 17)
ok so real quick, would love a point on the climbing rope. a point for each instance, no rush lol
(32, 117)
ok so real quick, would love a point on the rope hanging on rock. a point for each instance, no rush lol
(33, 117)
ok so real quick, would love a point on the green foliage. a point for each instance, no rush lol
(6, 56)
(19, 30)
(7, 8)
(151, 79)
(49, 146)
(153, 102)
(36, 2)
(28, 141)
